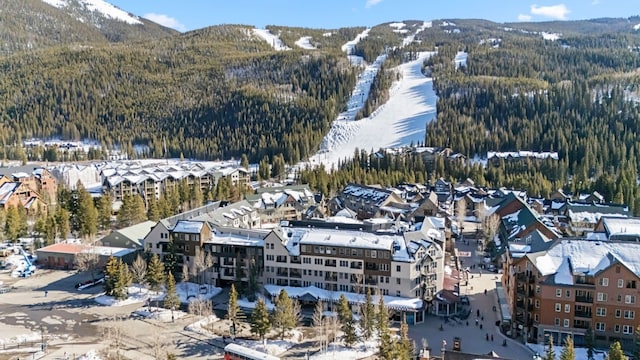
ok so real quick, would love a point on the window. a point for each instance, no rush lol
(270, 257)
(618, 313)
(306, 260)
(602, 297)
(398, 293)
(537, 304)
(537, 289)
(619, 298)
(558, 307)
(317, 261)
(398, 281)
(398, 268)
(536, 317)
(567, 308)
(616, 328)
(601, 311)
(629, 299)
(600, 326)
(344, 263)
(566, 322)
(558, 292)
(557, 322)
(629, 314)
(187, 247)
(603, 282)
(627, 329)
(373, 254)
(568, 293)
(620, 283)
(631, 284)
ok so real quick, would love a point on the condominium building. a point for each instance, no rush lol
(346, 261)
(563, 287)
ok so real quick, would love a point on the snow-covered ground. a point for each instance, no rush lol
(550, 36)
(461, 59)
(102, 7)
(272, 39)
(401, 121)
(581, 353)
(348, 47)
(186, 291)
(305, 43)
(360, 92)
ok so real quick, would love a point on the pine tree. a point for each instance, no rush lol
(550, 353)
(62, 221)
(367, 318)
(252, 283)
(171, 299)
(403, 349)
(104, 211)
(384, 334)
(260, 323)
(233, 309)
(124, 281)
(155, 273)
(283, 317)
(568, 352)
(588, 343)
(636, 347)
(171, 259)
(346, 321)
(153, 208)
(87, 215)
(111, 276)
(615, 352)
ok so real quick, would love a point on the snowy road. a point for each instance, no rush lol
(400, 121)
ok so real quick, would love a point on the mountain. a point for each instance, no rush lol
(32, 24)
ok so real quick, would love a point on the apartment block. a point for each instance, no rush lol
(346, 261)
(560, 288)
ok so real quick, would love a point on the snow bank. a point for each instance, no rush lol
(91, 355)
(305, 43)
(160, 314)
(186, 292)
(272, 39)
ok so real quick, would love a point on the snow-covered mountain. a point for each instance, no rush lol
(93, 11)
(33, 24)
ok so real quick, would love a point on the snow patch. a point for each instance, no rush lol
(305, 43)
(461, 59)
(270, 38)
(102, 7)
(350, 45)
(550, 36)
(636, 27)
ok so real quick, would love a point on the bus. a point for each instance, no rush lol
(237, 352)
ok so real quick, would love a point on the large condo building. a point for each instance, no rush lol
(563, 287)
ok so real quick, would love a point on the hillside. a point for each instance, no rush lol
(33, 24)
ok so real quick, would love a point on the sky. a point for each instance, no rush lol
(185, 15)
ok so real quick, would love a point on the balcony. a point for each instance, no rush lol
(330, 263)
(295, 260)
(282, 272)
(371, 281)
(584, 299)
(581, 324)
(583, 314)
(228, 261)
(281, 259)
(356, 265)
(295, 283)
(530, 307)
(295, 273)
(520, 304)
(532, 293)
(330, 276)
(521, 290)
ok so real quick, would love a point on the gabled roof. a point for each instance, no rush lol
(189, 226)
(376, 195)
(6, 190)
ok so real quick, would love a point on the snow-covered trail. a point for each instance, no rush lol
(400, 121)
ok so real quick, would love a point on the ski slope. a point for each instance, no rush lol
(399, 122)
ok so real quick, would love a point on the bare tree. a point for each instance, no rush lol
(88, 260)
(208, 264)
(139, 271)
(461, 212)
(358, 283)
(332, 326)
(490, 226)
(319, 325)
(185, 277)
(200, 308)
(199, 264)
(113, 333)
(159, 343)
(297, 311)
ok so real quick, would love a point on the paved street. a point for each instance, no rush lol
(473, 338)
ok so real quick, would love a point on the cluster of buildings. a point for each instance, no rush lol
(33, 190)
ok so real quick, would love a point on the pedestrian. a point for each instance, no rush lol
(487, 337)
(477, 312)
(491, 337)
(485, 291)
(46, 293)
(480, 326)
(467, 322)
(482, 318)
(477, 321)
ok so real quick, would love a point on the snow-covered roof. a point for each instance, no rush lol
(294, 237)
(523, 154)
(587, 257)
(6, 190)
(621, 225)
(188, 226)
(233, 239)
(373, 194)
(391, 302)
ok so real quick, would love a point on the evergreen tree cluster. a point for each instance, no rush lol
(117, 278)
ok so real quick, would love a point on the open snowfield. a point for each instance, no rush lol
(402, 120)
(270, 38)
(305, 43)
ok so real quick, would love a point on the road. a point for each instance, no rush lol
(473, 338)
